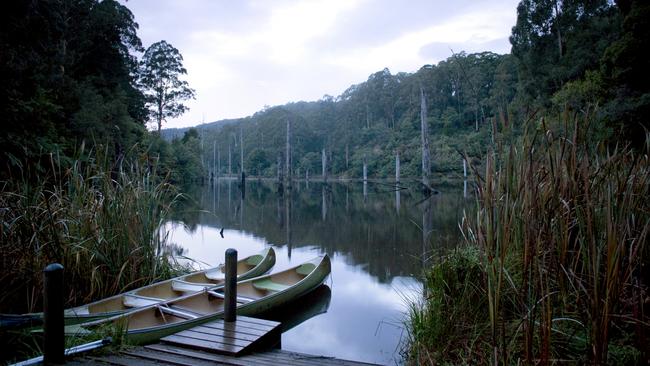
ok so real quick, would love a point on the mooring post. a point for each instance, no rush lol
(230, 290)
(53, 343)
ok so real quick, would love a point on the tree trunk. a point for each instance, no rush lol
(347, 157)
(397, 167)
(280, 175)
(426, 164)
(288, 153)
(241, 148)
(324, 165)
(229, 160)
(365, 171)
(557, 25)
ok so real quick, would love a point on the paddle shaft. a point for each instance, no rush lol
(230, 288)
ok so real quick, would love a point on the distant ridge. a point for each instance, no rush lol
(169, 134)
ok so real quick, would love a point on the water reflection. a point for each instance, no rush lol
(379, 237)
(300, 310)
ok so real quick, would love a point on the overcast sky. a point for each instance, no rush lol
(244, 54)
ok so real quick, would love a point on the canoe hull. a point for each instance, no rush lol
(113, 304)
(309, 283)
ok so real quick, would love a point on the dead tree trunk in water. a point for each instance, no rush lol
(229, 160)
(280, 175)
(288, 163)
(324, 165)
(241, 149)
(426, 164)
(397, 167)
(279, 163)
(365, 170)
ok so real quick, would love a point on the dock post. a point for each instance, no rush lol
(230, 290)
(54, 342)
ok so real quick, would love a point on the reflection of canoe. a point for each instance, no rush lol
(249, 267)
(254, 296)
(302, 309)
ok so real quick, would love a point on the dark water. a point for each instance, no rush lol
(379, 243)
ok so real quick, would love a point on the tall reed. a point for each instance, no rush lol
(561, 227)
(98, 218)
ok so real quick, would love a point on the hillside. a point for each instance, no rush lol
(466, 96)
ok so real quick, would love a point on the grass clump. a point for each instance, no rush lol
(452, 305)
(99, 219)
(560, 231)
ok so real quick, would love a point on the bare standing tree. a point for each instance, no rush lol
(424, 130)
(288, 153)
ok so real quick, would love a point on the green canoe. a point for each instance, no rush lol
(254, 296)
(249, 267)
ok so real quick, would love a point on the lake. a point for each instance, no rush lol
(379, 239)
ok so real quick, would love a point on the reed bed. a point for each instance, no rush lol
(99, 219)
(560, 234)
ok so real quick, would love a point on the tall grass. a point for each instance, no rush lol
(561, 227)
(99, 219)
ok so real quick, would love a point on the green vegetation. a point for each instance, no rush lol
(160, 67)
(372, 121)
(101, 224)
(82, 182)
(555, 268)
(555, 265)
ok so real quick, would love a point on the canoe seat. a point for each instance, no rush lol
(215, 275)
(184, 286)
(136, 301)
(267, 284)
(306, 269)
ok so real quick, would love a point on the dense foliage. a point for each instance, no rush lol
(67, 74)
(568, 55)
(161, 66)
(372, 121)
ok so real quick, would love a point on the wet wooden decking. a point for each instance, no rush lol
(229, 338)
(165, 354)
(248, 341)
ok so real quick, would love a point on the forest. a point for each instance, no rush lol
(555, 134)
(471, 99)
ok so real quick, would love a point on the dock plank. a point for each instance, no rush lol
(231, 338)
(207, 356)
(203, 344)
(245, 342)
(216, 338)
(225, 333)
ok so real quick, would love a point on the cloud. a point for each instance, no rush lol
(243, 55)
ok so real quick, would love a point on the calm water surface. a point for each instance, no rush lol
(379, 240)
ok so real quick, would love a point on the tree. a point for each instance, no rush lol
(67, 74)
(557, 41)
(160, 68)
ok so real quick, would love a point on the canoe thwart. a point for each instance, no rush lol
(176, 312)
(136, 301)
(240, 299)
(184, 286)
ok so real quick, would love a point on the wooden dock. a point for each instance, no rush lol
(229, 338)
(248, 341)
(163, 355)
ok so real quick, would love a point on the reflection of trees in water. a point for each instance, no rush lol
(384, 236)
(174, 249)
